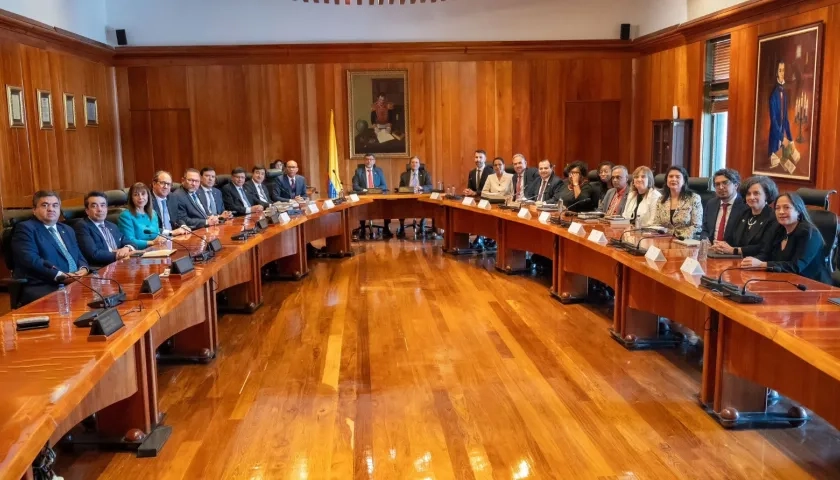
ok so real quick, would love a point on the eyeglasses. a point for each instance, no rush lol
(617, 177)
(723, 184)
(165, 184)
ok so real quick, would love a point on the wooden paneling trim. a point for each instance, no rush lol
(714, 24)
(30, 32)
(363, 52)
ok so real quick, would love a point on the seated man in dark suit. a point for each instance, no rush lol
(289, 186)
(478, 176)
(256, 188)
(161, 186)
(546, 187)
(236, 198)
(188, 209)
(211, 196)
(727, 204)
(522, 177)
(100, 241)
(41, 241)
(371, 176)
(420, 181)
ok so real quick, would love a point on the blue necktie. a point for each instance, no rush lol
(195, 200)
(71, 264)
(164, 213)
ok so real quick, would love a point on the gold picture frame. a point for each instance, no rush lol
(45, 110)
(91, 112)
(17, 113)
(69, 111)
(378, 113)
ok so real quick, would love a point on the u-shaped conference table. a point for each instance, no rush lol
(54, 378)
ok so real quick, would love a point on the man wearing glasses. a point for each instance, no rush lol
(187, 207)
(727, 204)
(616, 197)
(165, 210)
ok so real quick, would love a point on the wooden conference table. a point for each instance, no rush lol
(54, 378)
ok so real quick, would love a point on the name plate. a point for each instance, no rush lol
(468, 201)
(524, 213)
(598, 237)
(353, 198)
(654, 254)
(284, 218)
(577, 229)
(691, 267)
(106, 324)
(311, 208)
(328, 204)
(484, 205)
(545, 217)
(435, 196)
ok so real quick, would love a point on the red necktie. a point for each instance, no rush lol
(518, 184)
(722, 224)
(370, 178)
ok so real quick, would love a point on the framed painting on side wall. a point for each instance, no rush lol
(45, 110)
(69, 111)
(787, 103)
(14, 99)
(377, 102)
(91, 112)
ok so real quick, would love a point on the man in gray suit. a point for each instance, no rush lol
(188, 209)
(211, 196)
(615, 198)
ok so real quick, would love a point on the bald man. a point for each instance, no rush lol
(290, 185)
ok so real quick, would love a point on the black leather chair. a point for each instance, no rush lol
(175, 186)
(117, 198)
(701, 186)
(114, 214)
(659, 181)
(222, 180)
(826, 221)
(73, 214)
(376, 231)
(272, 174)
(10, 219)
(816, 198)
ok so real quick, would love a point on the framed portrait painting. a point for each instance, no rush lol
(787, 103)
(377, 102)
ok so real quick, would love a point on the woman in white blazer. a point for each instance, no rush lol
(499, 183)
(642, 200)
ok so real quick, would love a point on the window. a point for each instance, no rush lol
(716, 106)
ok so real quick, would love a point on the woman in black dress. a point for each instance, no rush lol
(798, 245)
(756, 227)
(577, 193)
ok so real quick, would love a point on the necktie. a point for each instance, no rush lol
(477, 179)
(71, 264)
(210, 202)
(542, 190)
(260, 192)
(722, 225)
(164, 214)
(370, 178)
(109, 239)
(292, 184)
(242, 196)
(194, 198)
(518, 185)
(413, 179)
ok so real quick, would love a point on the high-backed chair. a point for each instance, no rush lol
(701, 186)
(824, 219)
(222, 180)
(117, 198)
(10, 219)
(114, 213)
(73, 214)
(816, 198)
(272, 174)
(659, 181)
(593, 176)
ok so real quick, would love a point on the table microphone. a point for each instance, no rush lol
(565, 223)
(799, 286)
(63, 276)
(202, 256)
(111, 300)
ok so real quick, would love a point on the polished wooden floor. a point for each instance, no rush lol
(402, 363)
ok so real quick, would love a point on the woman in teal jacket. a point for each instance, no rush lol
(139, 217)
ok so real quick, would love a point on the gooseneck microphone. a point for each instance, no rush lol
(105, 302)
(799, 286)
(201, 256)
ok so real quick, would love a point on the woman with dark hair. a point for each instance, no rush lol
(604, 182)
(679, 210)
(577, 193)
(756, 226)
(139, 217)
(797, 246)
(277, 165)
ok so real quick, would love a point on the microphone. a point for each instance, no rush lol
(111, 300)
(340, 199)
(799, 286)
(107, 302)
(201, 256)
(566, 223)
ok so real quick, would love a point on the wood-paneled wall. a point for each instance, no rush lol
(228, 115)
(674, 77)
(71, 162)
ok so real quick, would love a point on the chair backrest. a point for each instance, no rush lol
(408, 166)
(222, 180)
(114, 214)
(659, 181)
(8, 257)
(14, 216)
(510, 169)
(73, 213)
(826, 223)
(701, 186)
(175, 186)
(116, 198)
(272, 174)
(816, 198)
(593, 176)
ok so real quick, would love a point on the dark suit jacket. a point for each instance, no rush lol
(608, 198)
(588, 198)
(551, 192)
(251, 189)
(282, 191)
(233, 202)
(169, 206)
(217, 199)
(92, 244)
(488, 170)
(423, 177)
(32, 244)
(360, 179)
(530, 175)
(803, 254)
(751, 240)
(710, 213)
(185, 211)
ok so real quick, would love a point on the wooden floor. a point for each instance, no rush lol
(402, 363)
